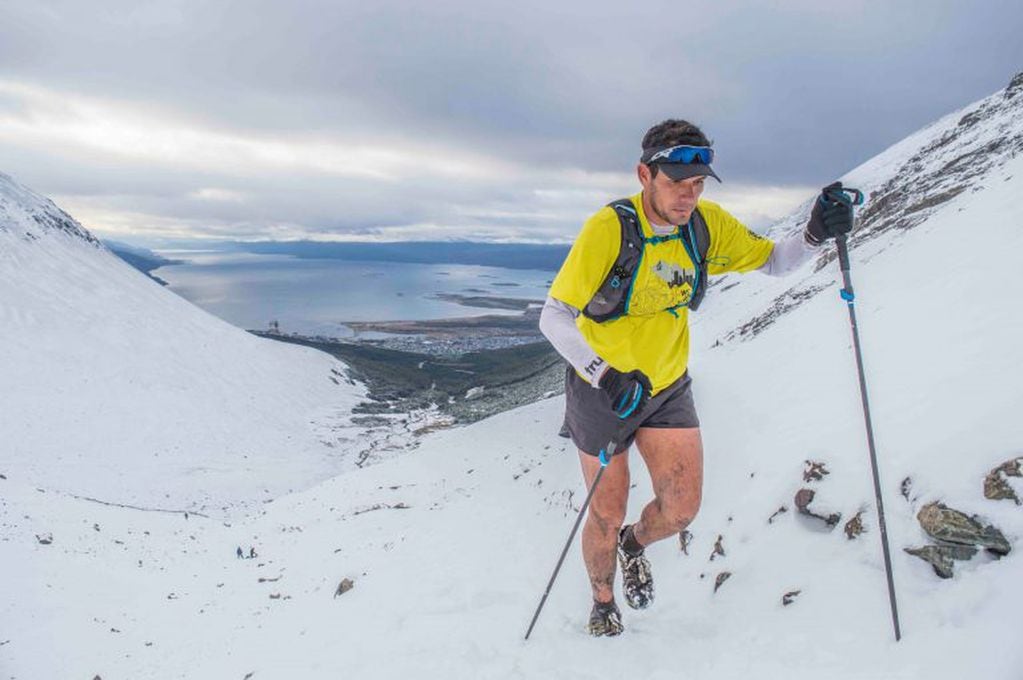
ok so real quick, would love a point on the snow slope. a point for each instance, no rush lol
(449, 548)
(119, 390)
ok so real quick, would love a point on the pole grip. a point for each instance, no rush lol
(843, 253)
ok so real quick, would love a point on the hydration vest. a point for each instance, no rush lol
(612, 298)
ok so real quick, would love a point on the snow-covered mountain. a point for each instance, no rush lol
(116, 389)
(448, 549)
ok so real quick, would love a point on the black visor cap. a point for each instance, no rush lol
(678, 171)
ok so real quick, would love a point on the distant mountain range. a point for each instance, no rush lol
(509, 255)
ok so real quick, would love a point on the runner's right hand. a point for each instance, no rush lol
(629, 392)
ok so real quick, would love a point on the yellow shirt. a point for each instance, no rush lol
(648, 337)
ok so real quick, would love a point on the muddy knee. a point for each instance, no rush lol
(681, 510)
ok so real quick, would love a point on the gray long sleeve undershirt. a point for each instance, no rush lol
(557, 319)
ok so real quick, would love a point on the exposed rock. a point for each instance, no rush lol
(384, 506)
(1015, 86)
(45, 539)
(719, 548)
(782, 305)
(780, 511)
(996, 484)
(952, 526)
(685, 537)
(722, 577)
(814, 471)
(343, 587)
(940, 556)
(906, 487)
(790, 597)
(803, 499)
(854, 527)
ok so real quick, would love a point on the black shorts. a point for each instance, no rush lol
(591, 424)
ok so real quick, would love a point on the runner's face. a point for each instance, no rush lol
(669, 201)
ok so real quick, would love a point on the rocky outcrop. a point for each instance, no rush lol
(953, 162)
(957, 537)
(996, 484)
(949, 525)
(956, 159)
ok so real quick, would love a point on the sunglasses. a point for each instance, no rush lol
(679, 154)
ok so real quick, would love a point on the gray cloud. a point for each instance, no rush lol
(540, 96)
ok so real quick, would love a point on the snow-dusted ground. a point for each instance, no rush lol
(119, 390)
(449, 547)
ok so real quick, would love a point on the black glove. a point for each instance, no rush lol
(629, 392)
(830, 217)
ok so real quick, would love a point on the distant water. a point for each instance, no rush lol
(314, 297)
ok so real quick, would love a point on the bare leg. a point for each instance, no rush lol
(604, 519)
(674, 457)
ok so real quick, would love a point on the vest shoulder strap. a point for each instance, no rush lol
(612, 297)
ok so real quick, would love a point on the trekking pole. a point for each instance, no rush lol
(605, 458)
(853, 197)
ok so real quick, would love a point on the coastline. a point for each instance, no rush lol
(468, 368)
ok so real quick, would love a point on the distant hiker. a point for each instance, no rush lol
(240, 553)
(618, 312)
(252, 553)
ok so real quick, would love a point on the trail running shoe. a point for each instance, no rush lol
(637, 583)
(605, 619)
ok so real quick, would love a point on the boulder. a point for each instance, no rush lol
(948, 525)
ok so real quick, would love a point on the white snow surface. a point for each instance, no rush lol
(450, 546)
(116, 389)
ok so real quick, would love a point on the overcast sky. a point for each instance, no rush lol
(461, 118)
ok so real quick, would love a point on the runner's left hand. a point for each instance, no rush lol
(829, 218)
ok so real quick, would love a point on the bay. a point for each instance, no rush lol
(316, 296)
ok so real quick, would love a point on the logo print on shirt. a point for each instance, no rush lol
(674, 275)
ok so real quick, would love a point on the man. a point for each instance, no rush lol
(618, 313)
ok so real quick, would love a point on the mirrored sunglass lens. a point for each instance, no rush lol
(691, 155)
